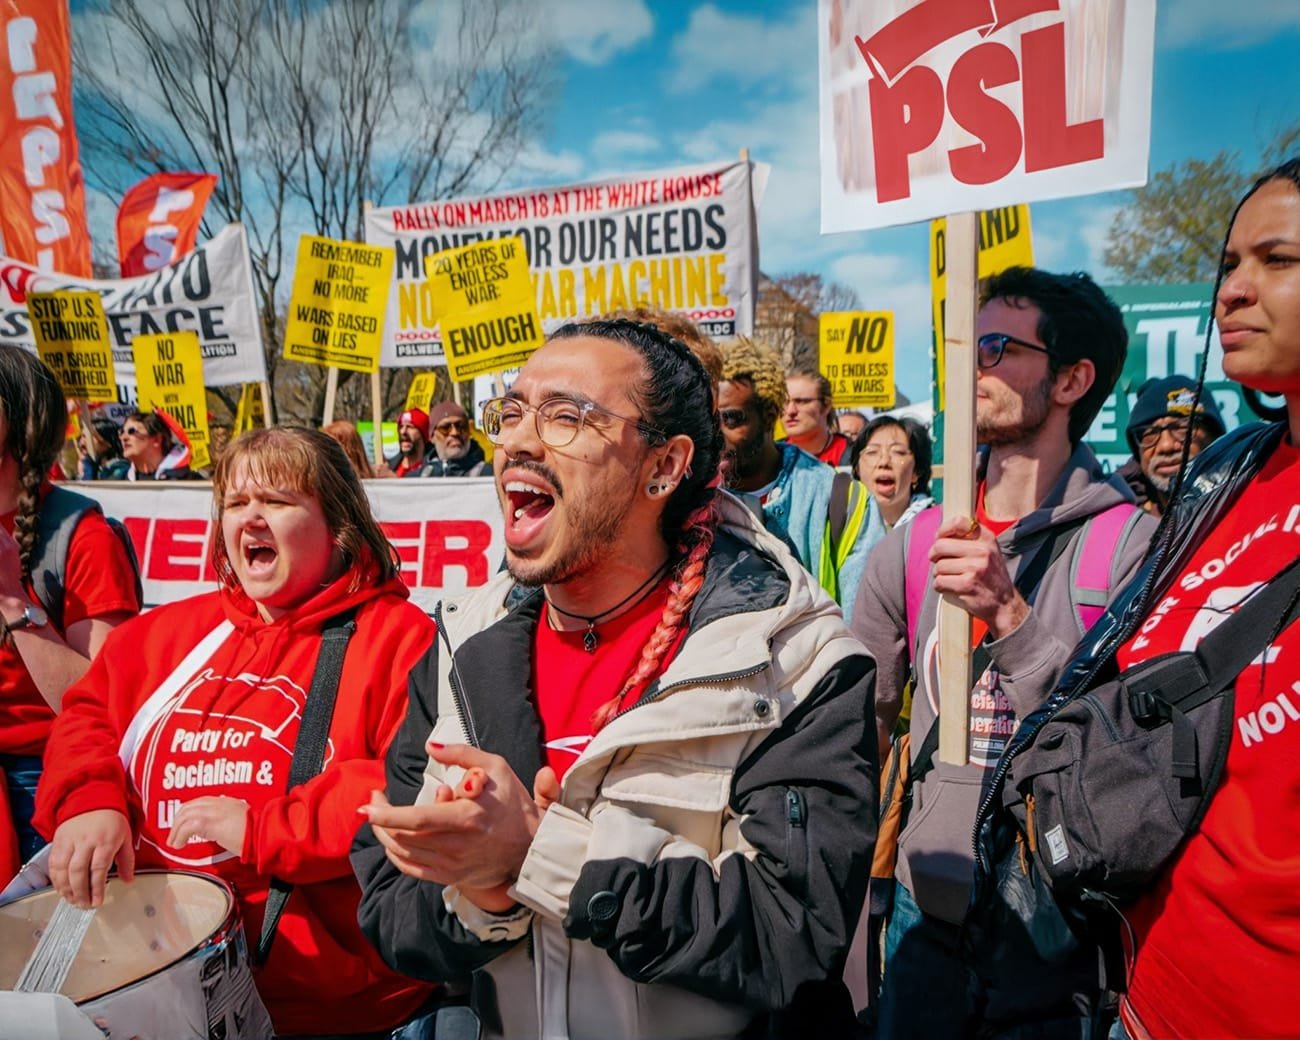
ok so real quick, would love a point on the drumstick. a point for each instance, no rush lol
(47, 968)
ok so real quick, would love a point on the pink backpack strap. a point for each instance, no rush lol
(921, 531)
(1099, 545)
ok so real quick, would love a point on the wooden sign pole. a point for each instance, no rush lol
(377, 412)
(331, 391)
(962, 248)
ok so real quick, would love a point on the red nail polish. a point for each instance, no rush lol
(433, 745)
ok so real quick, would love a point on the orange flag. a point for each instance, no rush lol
(158, 220)
(42, 192)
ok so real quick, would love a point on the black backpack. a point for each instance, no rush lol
(1112, 783)
(1097, 793)
(60, 513)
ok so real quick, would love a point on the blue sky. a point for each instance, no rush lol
(651, 84)
(654, 84)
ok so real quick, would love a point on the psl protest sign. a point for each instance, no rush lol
(931, 106)
(336, 311)
(72, 339)
(169, 377)
(1005, 240)
(1166, 329)
(448, 534)
(681, 240)
(420, 392)
(42, 190)
(210, 292)
(485, 305)
(856, 353)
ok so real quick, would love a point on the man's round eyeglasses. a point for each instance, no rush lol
(1149, 436)
(992, 345)
(558, 419)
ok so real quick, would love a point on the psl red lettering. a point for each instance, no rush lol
(177, 549)
(405, 538)
(35, 96)
(908, 116)
(456, 543)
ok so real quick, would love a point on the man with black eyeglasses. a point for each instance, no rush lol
(1161, 422)
(455, 453)
(1050, 529)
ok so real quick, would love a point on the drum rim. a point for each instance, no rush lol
(230, 923)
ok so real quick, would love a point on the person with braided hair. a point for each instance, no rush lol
(41, 656)
(633, 792)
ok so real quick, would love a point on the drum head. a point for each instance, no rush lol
(155, 921)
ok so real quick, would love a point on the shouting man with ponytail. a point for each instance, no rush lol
(633, 794)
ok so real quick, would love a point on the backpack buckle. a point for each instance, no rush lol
(1147, 708)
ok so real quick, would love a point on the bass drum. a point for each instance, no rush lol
(165, 958)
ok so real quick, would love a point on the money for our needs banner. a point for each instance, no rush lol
(947, 106)
(209, 292)
(42, 190)
(679, 240)
(447, 533)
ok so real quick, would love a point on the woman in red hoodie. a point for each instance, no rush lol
(174, 750)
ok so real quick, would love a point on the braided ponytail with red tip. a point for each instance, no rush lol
(688, 578)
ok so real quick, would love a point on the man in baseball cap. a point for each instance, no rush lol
(412, 443)
(1161, 422)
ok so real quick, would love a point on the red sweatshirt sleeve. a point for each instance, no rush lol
(304, 836)
(81, 769)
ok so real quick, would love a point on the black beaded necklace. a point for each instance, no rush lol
(589, 639)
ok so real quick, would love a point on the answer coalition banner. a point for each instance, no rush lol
(209, 292)
(680, 240)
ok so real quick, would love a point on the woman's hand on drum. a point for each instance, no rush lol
(83, 849)
(475, 841)
(215, 818)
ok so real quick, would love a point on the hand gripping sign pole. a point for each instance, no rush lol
(958, 478)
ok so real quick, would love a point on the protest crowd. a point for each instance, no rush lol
(668, 750)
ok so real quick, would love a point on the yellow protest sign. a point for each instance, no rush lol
(169, 378)
(72, 339)
(486, 307)
(1006, 240)
(420, 392)
(336, 310)
(855, 352)
(248, 413)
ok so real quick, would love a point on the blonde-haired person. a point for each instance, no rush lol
(350, 440)
(829, 520)
(666, 725)
(295, 548)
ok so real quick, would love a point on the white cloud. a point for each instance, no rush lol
(1220, 25)
(593, 33)
(615, 144)
(1073, 237)
(747, 49)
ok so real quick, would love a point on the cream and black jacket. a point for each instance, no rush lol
(708, 857)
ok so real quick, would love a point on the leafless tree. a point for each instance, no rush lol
(307, 109)
(786, 315)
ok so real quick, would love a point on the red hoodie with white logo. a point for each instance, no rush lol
(143, 735)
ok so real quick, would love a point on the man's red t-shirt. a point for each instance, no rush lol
(99, 581)
(571, 684)
(1218, 937)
